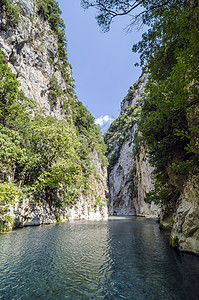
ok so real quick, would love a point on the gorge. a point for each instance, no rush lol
(52, 155)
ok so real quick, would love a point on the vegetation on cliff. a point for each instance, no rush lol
(10, 12)
(120, 128)
(49, 10)
(170, 110)
(41, 156)
(169, 116)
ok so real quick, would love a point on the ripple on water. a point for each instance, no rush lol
(123, 258)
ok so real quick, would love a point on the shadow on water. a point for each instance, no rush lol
(119, 258)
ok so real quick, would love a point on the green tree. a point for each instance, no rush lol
(10, 12)
(48, 158)
(147, 13)
(170, 108)
(50, 11)
(39, 153)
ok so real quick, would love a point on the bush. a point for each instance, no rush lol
(8, 193)
(10, 12)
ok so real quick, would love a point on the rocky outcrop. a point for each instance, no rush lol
(144, 182)
(31, 51)
(28, 212)
(185, 229)
(181, 216)
(129, 176)
(120, 180)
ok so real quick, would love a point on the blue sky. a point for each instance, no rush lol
(102, 63)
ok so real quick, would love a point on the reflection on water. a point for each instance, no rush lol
(121, 258)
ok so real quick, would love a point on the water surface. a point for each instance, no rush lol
(120, 258)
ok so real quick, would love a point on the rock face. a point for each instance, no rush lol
(31, 51)
(27, 212)
(120, 181)
(130, 176)
(143, 179)
(185, 229)
(181, 217)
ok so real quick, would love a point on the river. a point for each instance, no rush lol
(119, 258)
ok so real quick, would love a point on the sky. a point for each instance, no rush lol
(102, 63)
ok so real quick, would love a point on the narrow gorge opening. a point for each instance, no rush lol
(107, 195)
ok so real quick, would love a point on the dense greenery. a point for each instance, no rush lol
(169, 118)
(89, 135)
(41, 156)
(169, 114)
(10, 12)
(49, 10)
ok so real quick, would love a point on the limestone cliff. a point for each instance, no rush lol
(31, 50)
(181, 216)
(144, 182)
(185, 227)
(129, 176)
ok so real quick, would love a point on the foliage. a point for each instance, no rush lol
(44, 157)
(119, 128)
(114, 156)
(170, 107)
(132, 89)
(41, 154)
(55, 90)
(100, 202)
(147, 13)
(10, 12)
(172, 96)
(9, 94)
(129, 95)
(162, 194)
(8, 193)
(89, 134)
(175, 242)
(48, 158)
(170, 47)
(50, 11)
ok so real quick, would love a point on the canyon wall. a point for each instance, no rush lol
(129, 175)
(31, 51)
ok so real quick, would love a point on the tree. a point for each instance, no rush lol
(108, 10)
(141, 12)
(10, 12)
(170, 51)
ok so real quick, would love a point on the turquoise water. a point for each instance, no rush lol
(122, 258)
